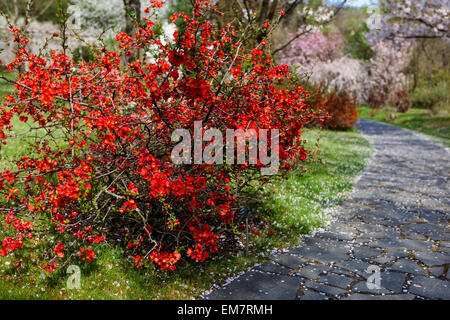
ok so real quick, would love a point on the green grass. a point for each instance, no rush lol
(415, 119)
(297, 204)
(5, 87)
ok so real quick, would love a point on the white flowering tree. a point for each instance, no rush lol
(114, 15)
(413, 19)
(388, 63)
(342, 74)
(98, 14)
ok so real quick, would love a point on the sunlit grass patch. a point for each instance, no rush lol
(421, 120)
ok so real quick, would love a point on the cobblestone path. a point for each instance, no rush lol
(395, 221)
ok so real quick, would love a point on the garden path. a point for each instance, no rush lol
(395, 221)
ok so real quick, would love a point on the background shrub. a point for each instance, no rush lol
(340, 105)
(376, 99)
(402, 100)
(432, 96)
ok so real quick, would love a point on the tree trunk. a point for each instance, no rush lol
(132, 14)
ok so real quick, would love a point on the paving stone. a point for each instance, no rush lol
(439, 236)
(387, 244)
(424, 228)
(342, 228)
(334, 236)
(271, 267)
(258, 286)
(361, 287)
(385, 259)
(398, 253)
(356, 266)
(319, 242)
(336, 280)
(416, 236)
(430, 288)
(359, 296)
(320, 287)
(402, 244)
(326, 244)
(444, 250)
(416, 245)
(407, 266)
(366, 252)
(288, 260)
(393, 281)
(312, 295)
(322, 254)
(368, 228)
(433, 216)
(432, 258)
(380, 235)
(393, 222)
(312, 271)
(345, 272)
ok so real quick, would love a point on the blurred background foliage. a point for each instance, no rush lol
(426, 76)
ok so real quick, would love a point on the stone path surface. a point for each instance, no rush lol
(396, 221)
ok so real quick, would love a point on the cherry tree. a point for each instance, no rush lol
(412, 19)
(389, 62)
(387, 69)
(344, 74)
(311, 47)
(98, 14)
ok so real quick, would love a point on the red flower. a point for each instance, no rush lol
(87, 255)
(156, 3)
(59, 250)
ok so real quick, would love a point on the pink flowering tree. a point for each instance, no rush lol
(387, 66)
(312, 47)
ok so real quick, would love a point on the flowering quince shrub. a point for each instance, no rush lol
(340, 106)
(102, 170)
(312, 48)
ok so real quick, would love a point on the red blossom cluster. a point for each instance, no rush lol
(341, 108)
(102, 171)
(87, 255)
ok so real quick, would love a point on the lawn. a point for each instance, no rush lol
(415, 119)
(297, 204)
(5, 87)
